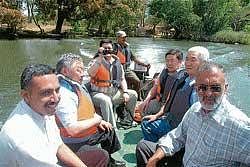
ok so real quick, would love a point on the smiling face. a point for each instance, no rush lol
(192, 63)
(43, 94)
(210, 86)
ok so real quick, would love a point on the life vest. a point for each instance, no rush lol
(124, 54)
(108, 74)
(85, 108)
(178, 103)
(167, 83)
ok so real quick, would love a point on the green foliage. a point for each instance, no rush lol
(247, 28)
(194, 18)
(241, 19)
(44, 10)
(115, 15)
(232, 37)
(12, 18)
(244, 2)
(177, 14)
(215, 14)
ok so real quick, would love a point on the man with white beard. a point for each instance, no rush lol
(214, 132)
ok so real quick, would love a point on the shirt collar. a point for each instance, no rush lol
(37, 117)
(190, 81)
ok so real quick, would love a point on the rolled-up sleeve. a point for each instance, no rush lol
(173, 141)
(67, 107)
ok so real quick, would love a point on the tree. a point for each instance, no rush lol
(216, 14)
(177, 14)
(11, 17)
(76, 10)
(241, 19)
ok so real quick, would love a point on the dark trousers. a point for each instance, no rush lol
(108, 140)
(145, 149)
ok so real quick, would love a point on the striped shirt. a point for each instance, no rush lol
(219, 138)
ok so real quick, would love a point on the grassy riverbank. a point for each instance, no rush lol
(231, 37)
(30, 30)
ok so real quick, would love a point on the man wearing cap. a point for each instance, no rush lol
(126, 56)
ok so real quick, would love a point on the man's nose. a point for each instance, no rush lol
(55, 97)
(208, 92)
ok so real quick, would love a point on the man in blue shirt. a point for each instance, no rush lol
(214, 132)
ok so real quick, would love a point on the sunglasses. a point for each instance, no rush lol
(212, 88)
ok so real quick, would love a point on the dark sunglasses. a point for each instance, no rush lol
(212, 88)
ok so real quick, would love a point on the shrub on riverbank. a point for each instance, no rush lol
(232, 37)
(12, 18)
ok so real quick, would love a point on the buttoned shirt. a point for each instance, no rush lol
(28, 139)
(218, 138)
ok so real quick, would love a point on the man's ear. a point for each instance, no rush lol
(25, 95)
(65, 71)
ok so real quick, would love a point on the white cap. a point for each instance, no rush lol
(121, 34)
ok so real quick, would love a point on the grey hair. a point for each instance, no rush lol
(210, 66)
(204, 53)
(34, 70)
(67, 60)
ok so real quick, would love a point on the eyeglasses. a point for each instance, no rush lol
(212, 88)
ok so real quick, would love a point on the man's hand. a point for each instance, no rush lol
(105, 126)
(150, 118)
(125, 97)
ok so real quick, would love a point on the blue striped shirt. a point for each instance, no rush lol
(219, 138)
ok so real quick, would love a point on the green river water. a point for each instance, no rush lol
(15, 55)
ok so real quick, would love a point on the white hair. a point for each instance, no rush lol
(204, 54)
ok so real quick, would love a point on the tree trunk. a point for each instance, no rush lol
(29, 11)
(36, 21)
(59, 22)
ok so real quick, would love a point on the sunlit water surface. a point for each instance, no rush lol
(15, 55)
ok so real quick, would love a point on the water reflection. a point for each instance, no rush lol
(15, 55)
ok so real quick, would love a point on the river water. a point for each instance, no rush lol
(15, 55)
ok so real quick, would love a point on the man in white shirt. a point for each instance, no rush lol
(30, 136)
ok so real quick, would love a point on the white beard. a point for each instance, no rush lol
(211, 107)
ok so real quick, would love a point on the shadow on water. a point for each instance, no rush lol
(132, 137)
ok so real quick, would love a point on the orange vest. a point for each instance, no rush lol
(102, 77)
(105, 76)
(121, 57)
(85, 110)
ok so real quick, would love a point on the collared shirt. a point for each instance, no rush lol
(219, 138)
(67, 107)
(28, 139)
